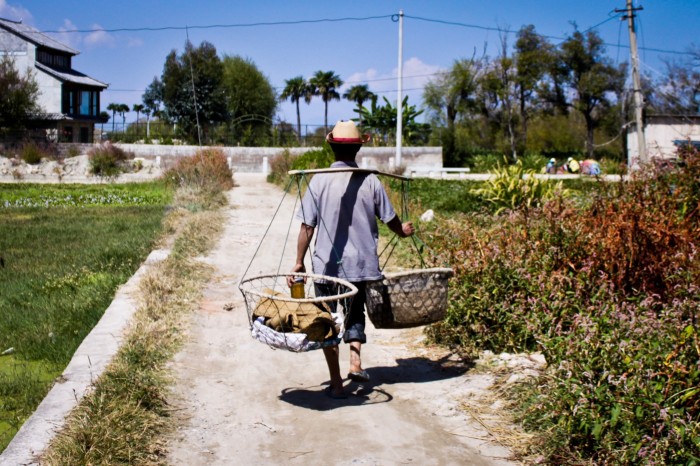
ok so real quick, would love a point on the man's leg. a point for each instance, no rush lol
(332, 360)
(355, 334)
(355, 356)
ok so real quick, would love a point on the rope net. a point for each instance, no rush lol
(296, 324)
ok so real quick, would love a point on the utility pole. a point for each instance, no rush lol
(636, 82)
(399, 98)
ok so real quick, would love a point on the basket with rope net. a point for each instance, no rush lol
(408, 299)
(296, 324)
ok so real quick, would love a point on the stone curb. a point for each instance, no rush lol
(87, 365)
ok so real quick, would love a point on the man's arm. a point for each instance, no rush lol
(403, 230)
(306, 232)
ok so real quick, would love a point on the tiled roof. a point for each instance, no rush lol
(71, 76)
(34, 36)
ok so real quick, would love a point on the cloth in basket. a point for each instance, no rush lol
(287, 316)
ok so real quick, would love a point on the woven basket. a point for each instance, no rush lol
(408, 299)
(272, 292)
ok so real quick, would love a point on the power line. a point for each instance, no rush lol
(336, 20)
(511, 31)
(221, 26)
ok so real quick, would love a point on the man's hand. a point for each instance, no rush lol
(408, 229)
(298, 268)
(403, 230)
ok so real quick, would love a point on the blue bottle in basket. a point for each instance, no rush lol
(298, 288)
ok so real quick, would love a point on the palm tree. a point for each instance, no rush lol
(324, 84)
(122, 109)
(114, 108)
(294, 90)
(359, 94)
(138, 108)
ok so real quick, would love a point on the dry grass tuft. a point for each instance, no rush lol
(124, 418)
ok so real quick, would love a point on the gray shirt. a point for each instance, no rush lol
(344, 207)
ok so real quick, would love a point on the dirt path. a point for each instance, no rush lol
(244, 403)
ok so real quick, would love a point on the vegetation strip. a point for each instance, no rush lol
(122, 421)
(59, 269)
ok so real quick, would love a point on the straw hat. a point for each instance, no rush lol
(345, 132)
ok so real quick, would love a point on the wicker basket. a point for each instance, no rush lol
(408, 299)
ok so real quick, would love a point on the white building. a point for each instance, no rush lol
(663, 134)
(70, 100)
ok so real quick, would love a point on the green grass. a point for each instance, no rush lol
(448, 196)
(62, 266)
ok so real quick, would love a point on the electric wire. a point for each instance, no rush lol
(220, 26)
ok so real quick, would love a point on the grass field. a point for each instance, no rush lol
(65, 249)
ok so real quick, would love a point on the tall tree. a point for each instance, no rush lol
(194, 76)
(122, 109)
(325, 84)
(452, 96)
(591, 78)
(19, 95)
(152, 98)
(533, 56)
(359, 94)
(296, 89)
(678, 91)
(138, 108)
(114, 108)
(251, 100)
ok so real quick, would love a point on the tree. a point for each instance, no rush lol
(114, 108)
(591, 77)
(678, 91)
(138, 108)
(19, 95)
(381, 121)
(533, 57)
(250, 99)
(152, 98)
(325, 85)
(195, 76)
(496, 98)
(452, 96)
(359, 94)
(122, 109)
(295, 89)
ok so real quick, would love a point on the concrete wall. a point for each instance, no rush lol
(660, 134)
(253, 159)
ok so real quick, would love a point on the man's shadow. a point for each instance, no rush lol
(408, 370)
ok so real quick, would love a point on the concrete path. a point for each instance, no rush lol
(240, 402)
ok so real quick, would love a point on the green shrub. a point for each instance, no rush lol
(609, 293)
(108, 160)
(513, 188)
(319, 158)
(313, 159)
(279, 166)
(32, 153)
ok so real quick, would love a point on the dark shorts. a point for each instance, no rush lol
(355, 319)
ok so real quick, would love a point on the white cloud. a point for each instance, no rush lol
(71, 39)
(14, 13)
(99, 37)
(416, 74)
(134, 42)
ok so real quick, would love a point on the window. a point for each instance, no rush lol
(85, 103)
(55, 60)
(81, 102)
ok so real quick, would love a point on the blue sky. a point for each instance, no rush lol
(359, 51)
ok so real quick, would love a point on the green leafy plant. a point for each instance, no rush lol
(513, 187)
